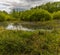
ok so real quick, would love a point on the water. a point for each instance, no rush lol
(11, 26)
(18, 27)
(25, 26)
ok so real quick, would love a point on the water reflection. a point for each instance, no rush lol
(17, 27)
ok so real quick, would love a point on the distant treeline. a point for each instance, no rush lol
(44, 12)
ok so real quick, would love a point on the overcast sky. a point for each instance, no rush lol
(26, 4)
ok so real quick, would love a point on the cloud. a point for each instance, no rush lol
(24, 4)
(30, 3)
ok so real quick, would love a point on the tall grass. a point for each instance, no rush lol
(29, 43)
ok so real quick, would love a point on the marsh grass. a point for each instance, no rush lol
(29, 43)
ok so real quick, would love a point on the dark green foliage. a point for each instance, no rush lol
(36, 15)
(41, 15)
(51, 6)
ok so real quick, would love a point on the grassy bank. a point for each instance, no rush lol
(29, 43)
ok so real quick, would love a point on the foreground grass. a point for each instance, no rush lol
(29, 43)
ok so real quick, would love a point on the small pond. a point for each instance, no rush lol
(25, 26)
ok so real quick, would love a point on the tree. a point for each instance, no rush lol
(50, 7)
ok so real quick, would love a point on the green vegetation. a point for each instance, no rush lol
(50, 7)
(4, 16)
(36, 15)
(44, 12)
(29, 43)
(56, 15)
(17, 42)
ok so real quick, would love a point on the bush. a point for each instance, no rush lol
(36, 15)
(41, 15)
(2, 17)
(56, 15)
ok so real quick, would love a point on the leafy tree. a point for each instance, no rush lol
(51, 7)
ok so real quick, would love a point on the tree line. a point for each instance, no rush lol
(44, 12)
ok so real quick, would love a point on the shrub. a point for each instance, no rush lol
(41, 15)
(56, 15)
(36, 15)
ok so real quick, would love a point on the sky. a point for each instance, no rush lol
(7, 5)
